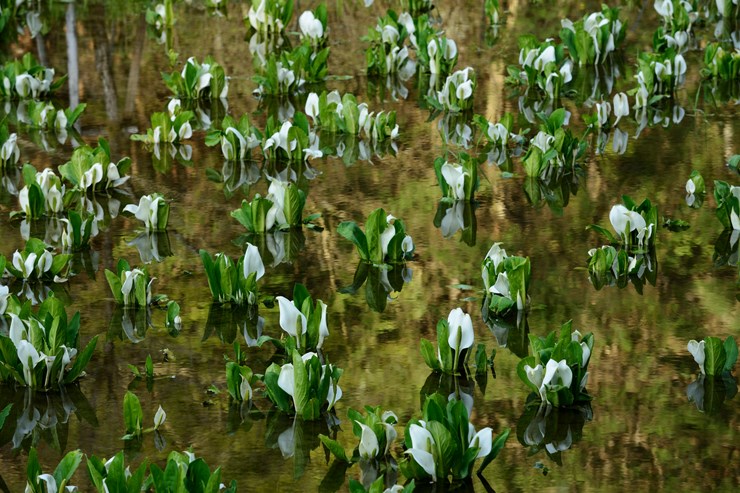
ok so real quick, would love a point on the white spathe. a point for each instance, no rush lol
(292, 320)
(369, 446)
(146, 211)
(621, 106)
(697, 351)
(253, 262)
(159, 418)
(483, 441)
(311, 27)
(557, 373)
(323, 327)
(461, 334)
(312, 106)
(422, 446)
(454, 176)
(624, 221)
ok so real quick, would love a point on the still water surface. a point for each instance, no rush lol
(641, 432)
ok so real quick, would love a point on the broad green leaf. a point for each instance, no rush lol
(731, 353)
(67, 467)
(132, 414)
(351, 231)
(430, 356)
(81, 361)
(4, 415)
(714, 356)
(374, 228)
(445, 445)
(334, 447)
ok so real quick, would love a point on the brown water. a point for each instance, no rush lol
(641, 432)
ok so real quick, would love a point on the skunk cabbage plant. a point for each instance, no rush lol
(728, 204)
(635, 225)
(183, 472)
(384, 238)
(198, 81)
(38, 482)
(130, 287)
(234, 282)
(695, 189)
(36, 263)
(721, 62)
(133, 417)
(387, 53)
(287, 72)
(608, 266)
(558, 370)
(282, 208)
(457, 181)
(658, 76)
(236, 138)
(456, 94)
(445, 443)
(305, 387)
(507, 279)
(43, 195)
(41, 350)
(113, 474)
(376, 433)
(167, 129)
(713, 356)
(590, 40)
(542, 65)
(313, 26)
(343, 115)
(303, 321)
(239, 378)
(26, 79)
(92, 169)
(10, 154)
(269, 17)
(455, 339)
(440, 57)
(153, 210)
(554, 149)
(44, 116)
(493, 11)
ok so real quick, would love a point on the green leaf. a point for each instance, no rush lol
(4, 415)
(731, 353)
(374, 228)
(481, 361)
(132, 414)
(300, 390)
(281, 399)
(430, 356)
(714, 356)
(609, 236)
(295, 199)
(115, 286)
(445, 445)
(351, 231)
(521, 372)
(81, 361)
(334, 447)
(67, 467)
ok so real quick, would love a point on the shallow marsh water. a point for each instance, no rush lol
(641, 432)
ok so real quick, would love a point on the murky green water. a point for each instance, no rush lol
(641, 431)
